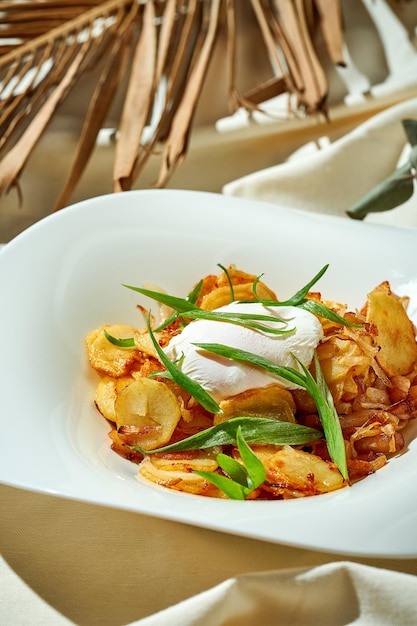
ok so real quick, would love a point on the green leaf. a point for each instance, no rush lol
(254, 430)
(187, 309)
(331, 423)
(410, 128)
(288, 373)
(242, 319)
(391, 193)
(298, 297)
(195, 292)
(329, 418)
(229, 280)
(244, 478)
(413, 159)
(121, 343)
(323, 311)
(168, 321)
(233, 490)
(191, 298)
(184, 381)
(233, 469)
(255, 470)
(319, 392)
(179, 304)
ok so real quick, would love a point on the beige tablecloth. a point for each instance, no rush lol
(104, 567)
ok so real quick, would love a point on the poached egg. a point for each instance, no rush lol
(222, 377)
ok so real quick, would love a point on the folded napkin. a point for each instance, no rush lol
(335, 594)
(329, 177)
(20, 605)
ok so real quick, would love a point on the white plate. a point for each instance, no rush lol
(62, 278)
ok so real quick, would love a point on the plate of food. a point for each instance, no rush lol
(219, 362)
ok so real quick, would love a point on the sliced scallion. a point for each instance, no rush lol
(318, 390)
(182, 379)
(254, 429)
(242, 478)
(129, 342)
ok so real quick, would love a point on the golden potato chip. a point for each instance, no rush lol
(106, 393)
(179, 473)
(150, 406)
(273, 402)
(221, 296)
(108, 358)
(302, 473)
(396, 335)
(219, 293)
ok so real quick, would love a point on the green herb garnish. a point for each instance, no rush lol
(121, 343)
(176, 374)
(323, 311)
(316, 388)
(229, 280)
(181, 305)
(254, 429)
(242, 319)
(299, 299)
(191, 298)
(241, 478)
(187, 309)
(328, 417)
(299, 296)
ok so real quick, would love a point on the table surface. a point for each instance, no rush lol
(97, 565)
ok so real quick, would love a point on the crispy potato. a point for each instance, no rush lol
(221, 296)
(151, 407)
(106, 393)
(396, 335)
(293, 471)
(273, 402)
(219, 293)
(178, 473)
(144, 343)
(343, 361)
(107, 358)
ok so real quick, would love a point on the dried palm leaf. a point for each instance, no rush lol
(138, 101)
(176, 143)
(96, 115)
(157, 53)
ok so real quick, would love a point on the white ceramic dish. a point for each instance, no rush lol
(62, 277)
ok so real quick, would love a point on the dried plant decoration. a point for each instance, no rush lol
(158, 52)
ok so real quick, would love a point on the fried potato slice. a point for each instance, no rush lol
(396, 334)
(178, 473)
(151, 407)
(293, 472)
(221, 296)
(273, 402)
(107, 358)
(216, 291)
(106, 394)
(343, 362)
